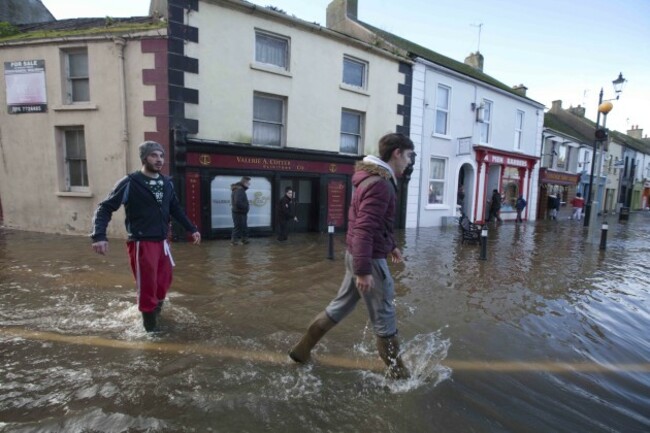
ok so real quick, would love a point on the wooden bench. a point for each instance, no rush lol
(470, 232)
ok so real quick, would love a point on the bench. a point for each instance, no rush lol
(470, 232)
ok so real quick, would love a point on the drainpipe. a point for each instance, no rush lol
(121, 44)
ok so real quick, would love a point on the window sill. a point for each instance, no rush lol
(440, 206)
(354, 89)
(441, 136)
(82, 194)
(75, 107)
(272, 69)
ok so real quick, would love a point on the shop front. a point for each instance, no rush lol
(554, 183)
(508, 173)
(320, 181)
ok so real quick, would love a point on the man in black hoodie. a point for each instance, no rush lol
(240, 206)
(149, 202)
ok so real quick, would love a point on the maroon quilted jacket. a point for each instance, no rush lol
(371, 216)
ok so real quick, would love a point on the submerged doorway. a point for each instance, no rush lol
(306, 199)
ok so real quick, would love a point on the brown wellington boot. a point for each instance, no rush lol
(388, 348)
(318, 327)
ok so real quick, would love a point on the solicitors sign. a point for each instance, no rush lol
(25, 86)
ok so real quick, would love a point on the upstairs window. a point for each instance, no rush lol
(272, 50)
(268, 120)
(351, 128)
(442, 109)
(354, 72)
(519, 128)
(76, 74)
(485, 118)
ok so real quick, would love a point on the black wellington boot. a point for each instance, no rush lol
(388, 348)
(150, 322)
(318, 327)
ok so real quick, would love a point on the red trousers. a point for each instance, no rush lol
(151, 263)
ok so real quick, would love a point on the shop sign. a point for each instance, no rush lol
(263, 163)
(505, 160)
(558, 178)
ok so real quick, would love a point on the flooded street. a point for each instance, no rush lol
(547, 335)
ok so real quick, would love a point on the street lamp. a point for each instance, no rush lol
(604, 107)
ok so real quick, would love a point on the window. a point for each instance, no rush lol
(519, 128)
(442, 109)
(562, 157)
(437, 181)
(75, 171)
(76, 74)
(268, 120)
(351, 127)
(486, 120)
(272, 50)
(354, 72)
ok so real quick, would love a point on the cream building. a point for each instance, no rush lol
(78, 98)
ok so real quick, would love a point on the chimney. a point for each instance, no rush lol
(578, 111)
(475, 60)
(635, 132)
(520, 89)
(556, 107)
(338, 11)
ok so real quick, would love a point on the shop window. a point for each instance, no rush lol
(74, 167)
(77, 80)
(511, 182)
(268, 120)
(272, 50)
(437, 180)
(259, 197)
(442, 109)
(351, 132)
(354, 72)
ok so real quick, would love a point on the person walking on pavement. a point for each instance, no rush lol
(578, 203)
(495, 206)
(520, 205)
(240, 206)
(286, 213)
(149, 202)
(369, 241)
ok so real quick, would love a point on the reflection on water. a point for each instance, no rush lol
(548, 334)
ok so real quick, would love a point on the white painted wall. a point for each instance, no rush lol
(228, 78)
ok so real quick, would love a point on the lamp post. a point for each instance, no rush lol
(601, 135)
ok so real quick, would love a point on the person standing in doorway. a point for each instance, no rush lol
(495, 206)
(369, 241)
(240, 207)
(578, 203)
(460, 199)
(286, 213)
(520, 205)
(149, 202)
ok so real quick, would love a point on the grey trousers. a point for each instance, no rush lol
(379, 300)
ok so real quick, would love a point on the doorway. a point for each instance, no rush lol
(306, 199)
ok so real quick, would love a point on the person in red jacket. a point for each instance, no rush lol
(369, 241)
(578, 203)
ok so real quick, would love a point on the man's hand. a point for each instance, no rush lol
(365, 283)
(396, 256)
(197, 238)
(100, 247)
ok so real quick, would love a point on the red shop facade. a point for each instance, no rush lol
(321, 182)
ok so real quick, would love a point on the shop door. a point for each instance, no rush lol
(305, 196)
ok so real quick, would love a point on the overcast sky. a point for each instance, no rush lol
(559, 49)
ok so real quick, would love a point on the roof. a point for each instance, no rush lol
(24, 11)
(583, 129)
(425, 53)
(83, 26)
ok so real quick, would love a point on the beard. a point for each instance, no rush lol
(152, 168)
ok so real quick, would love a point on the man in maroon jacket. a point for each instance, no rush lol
(369, 241)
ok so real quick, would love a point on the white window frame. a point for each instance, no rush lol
(272, 122)
(349, 60)
(357, 134)
(259, 60)
(70, 97)
(443, 109)
(66, 161)
(442, 190)
(520, 117)
(486, 121)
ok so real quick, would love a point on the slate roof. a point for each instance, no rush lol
(83, 23)
(416, 50)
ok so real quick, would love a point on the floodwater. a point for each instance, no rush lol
(549, 334)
